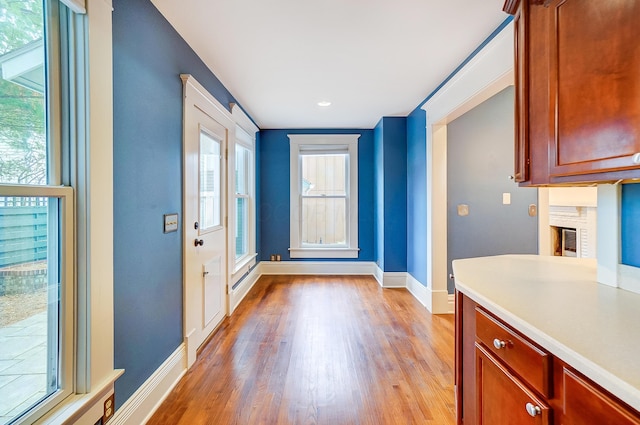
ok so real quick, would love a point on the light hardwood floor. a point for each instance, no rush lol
(321, 350)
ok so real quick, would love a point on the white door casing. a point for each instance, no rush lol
(207, 129)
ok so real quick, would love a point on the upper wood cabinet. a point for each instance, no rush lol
(577, 71)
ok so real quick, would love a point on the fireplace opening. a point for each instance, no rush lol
(564, 241)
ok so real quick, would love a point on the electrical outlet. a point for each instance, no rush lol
(109, 408)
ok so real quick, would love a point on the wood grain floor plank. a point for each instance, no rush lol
(321, 350)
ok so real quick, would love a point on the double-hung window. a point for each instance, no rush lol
(242, 209)
(324, 196)
(36, 211)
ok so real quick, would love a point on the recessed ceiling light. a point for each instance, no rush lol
(324, 103)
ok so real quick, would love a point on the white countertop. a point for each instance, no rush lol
(557, 302)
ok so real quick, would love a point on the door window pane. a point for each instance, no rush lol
(324, 221)
(210, 168)
(30, 291)
(23, 145)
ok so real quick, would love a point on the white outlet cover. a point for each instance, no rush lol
(506, 198)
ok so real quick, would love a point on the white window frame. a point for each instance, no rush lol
(298, 143)
(245, 137)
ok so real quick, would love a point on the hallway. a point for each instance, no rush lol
(321, 350)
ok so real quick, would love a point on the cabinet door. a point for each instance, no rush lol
(594, 86)
(584, 404)
(502, 398)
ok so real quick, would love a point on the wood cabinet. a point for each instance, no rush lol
(577, 90)
(503, 377)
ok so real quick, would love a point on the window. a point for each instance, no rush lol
(36, 213)
(324, 196)
(243, 170)
(242, 210)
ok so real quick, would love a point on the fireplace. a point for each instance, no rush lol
(573, 231)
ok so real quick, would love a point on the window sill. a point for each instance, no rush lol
(242, 267)
(82, 407)
(324, 252)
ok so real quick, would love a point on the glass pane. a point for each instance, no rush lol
(324, 174)
(242, 226)
(324, 221)
(210, 161)
(242, 170)
(23, 146)
(29, 303)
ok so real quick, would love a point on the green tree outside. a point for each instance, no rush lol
(22, 110)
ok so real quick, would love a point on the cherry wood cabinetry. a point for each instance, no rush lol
(502, 377)
(577, 90)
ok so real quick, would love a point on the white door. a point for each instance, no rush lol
(205, 230)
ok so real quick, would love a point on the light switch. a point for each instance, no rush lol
(170, 223)
(506, 198)
(463, 209)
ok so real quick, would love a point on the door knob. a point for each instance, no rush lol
(198, 242)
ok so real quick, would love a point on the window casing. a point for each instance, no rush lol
(324, 196)
(37, 205)
(242, 215)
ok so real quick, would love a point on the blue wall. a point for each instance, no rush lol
(630, 224)
(148, 57)
(391, 193)
(274, 191)
(417, 195)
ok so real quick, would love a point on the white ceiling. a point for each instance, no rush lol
(370, 58)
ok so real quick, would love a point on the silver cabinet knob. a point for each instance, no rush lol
(533, 410)
(499, 344)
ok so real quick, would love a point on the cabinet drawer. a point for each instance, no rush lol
(526, 360)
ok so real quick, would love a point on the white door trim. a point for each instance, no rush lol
(486, 74)
(195, 96)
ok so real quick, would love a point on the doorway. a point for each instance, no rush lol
(207, 129)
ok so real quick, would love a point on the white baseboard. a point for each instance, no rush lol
(419, 291)
(239, 292)
(394, 279)
(137, 410)
(317, 267)
(437, 302)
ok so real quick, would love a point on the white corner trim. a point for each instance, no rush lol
(394, 279)
(486, 74)
(139, 408)
(317, 267)
(608, 231)
(452, 304)
(237, 294)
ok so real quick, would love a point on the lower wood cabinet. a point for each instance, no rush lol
(504, 399)
(504, 378)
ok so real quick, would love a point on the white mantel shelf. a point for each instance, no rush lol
(557, 302)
